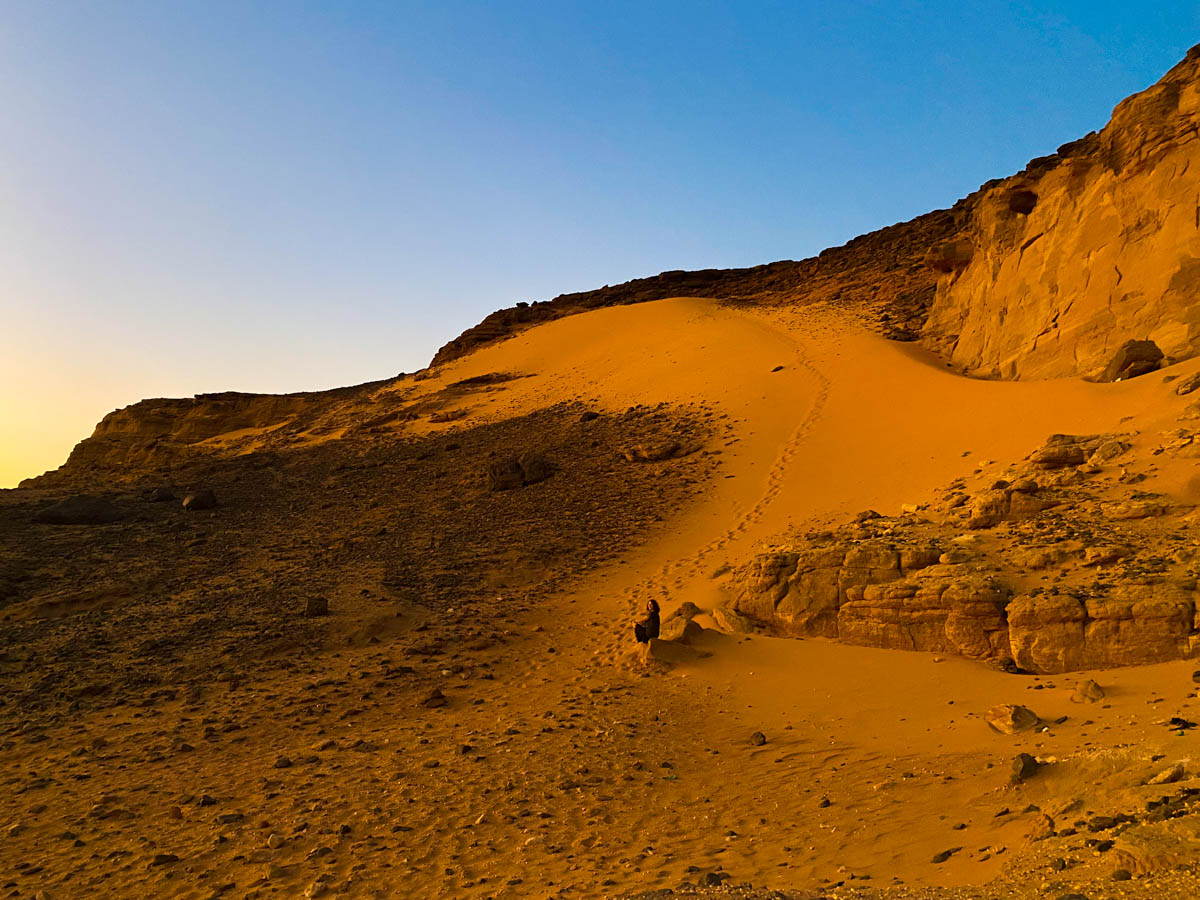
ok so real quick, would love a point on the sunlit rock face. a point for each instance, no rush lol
(1084, 250)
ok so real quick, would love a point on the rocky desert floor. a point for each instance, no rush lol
(471, 718)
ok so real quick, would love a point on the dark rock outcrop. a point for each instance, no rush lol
(519, 471)
(80, 510)
(1133, 358)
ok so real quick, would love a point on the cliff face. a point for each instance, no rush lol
(1099, 244)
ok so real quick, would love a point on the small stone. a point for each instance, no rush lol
(758, 739)
(316, 606)
(1122, 875)
(164, 859)
(276, 840)
(939, 858)
(283, 763)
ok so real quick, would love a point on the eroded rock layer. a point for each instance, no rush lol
(1066, 563)
(1061, 264)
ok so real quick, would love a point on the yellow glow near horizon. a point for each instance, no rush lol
(51, 425)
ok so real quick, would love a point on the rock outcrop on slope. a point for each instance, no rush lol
(153, 436)
(1065, 563)
(1062, 263)
(1043, 274)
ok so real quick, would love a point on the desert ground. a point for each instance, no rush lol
(472, 718)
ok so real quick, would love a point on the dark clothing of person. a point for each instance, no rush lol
(648, 627)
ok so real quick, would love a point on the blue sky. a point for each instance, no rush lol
(274, 196)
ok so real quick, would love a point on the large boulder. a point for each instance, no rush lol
(685, 631)
(1008, 505)
(519, 471)
(670, 653)
(1060, 451)
(79, 510)
(686, 610)
(1133, 358)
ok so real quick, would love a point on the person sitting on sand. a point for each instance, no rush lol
(648, 627)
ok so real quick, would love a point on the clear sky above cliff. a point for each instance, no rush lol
(200, 196)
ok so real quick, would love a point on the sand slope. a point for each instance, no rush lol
(851, 421)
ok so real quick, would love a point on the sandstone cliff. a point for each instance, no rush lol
(1099, 244)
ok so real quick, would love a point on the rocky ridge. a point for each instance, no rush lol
(1066, 561)
(1042, 274)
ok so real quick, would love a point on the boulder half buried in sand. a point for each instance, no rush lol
(653, 452)
(685, 631)
(1010, 718)
(1087, 691)
(670, 653)
(732, 621)
(687, 610)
